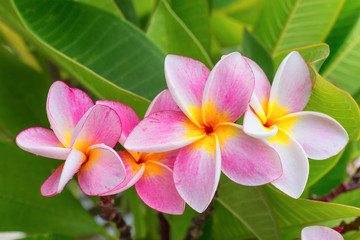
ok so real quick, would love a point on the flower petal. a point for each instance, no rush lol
(62, 175)
(186, 79)
(320, 233)
(291, 88)
(157, 189)
(294, 163)
(255, 128)
(65, 107)
(247, 160)
(162, 102)
(134, 172)
(129, 118)
(100, 124)
(260, 97)
(166, 158)
(320, 135)
(102, 172)
(43, 142)
(228, 90)
(163, 131)
(197, 172)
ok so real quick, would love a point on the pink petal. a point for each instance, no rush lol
(100, 124)
(129, 118)
(320, 233)
(162, 102)
(65, 107)
(102, 172)
(43, 142)
(291, 88)
(62, 175)
(260, 97)
(228, 90)
(134, 172)
(186, 79)
(197, 172)
(157, 190)
(320, 135)
(294, 163)
(247, 160)
(255, 128)
(163, 131)
(165, 158)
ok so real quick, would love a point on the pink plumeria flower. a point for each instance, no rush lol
(204, 129)
(83, 135)
(275, 115)
(151, 173)
(320, 233)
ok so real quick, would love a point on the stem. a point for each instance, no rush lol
(352, 226)
(197, 223)
(352, 184)
(164, 227)
(109, 213)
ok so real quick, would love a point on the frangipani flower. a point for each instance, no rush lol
(204, 129)
(275, 115)
(320, 233)
(83, 135)
(151, 173)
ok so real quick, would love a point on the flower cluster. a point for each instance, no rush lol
(190, 134)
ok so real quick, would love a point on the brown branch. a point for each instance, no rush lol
(109, 213)
(351, 226)
(164, 227)
(197, 223)
(352, 184)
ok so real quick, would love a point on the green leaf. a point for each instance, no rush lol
(253, 49)
(105, 5)
(195, 15)
(343, 69)
(109, 56)
(328, 99)
(180, 223)
(23, 94)
(128, 10)
(48, 237)
(289, 24)
(171, 34)
(293, 213)
(349, 198)
(247, 205)
(22, 206)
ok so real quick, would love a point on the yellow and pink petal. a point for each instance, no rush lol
(228, 90)
(157, 190)
(320, 135)
(247, 160)
(65, 107)
(102, 171)
(255, 128)
(100, 124)
(291, 88)
(294, 163)
(197, 172)
(43, 142)
(163, 131)
(186, 80)
(129, 118)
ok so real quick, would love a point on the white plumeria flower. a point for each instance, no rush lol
(320, 233)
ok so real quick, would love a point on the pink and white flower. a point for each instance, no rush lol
(203, 128)
(151, 173)
(320, 233)
(83, 135)
(275, 115)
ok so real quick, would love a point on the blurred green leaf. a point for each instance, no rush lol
(48, 237)
(23, 95)
(180, 223)
(105, 5)
(349, 198)
(109, 56)
(289, 24)
(127, 8)
(195, 15)
(22, 206)
(253, 49)
(248, 205)
(343, 68)
(171, 34)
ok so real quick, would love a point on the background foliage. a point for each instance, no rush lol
(115, 49)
